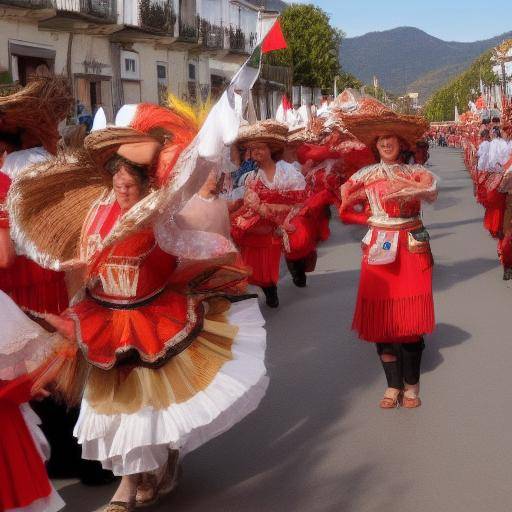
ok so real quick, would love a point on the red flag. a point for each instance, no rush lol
(274, 40)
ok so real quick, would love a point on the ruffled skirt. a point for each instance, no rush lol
(130, 420)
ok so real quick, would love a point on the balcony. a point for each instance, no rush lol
(28, 4)
(23, 9)
(188, 23)
(103, 11)
(239, 42)
(79, 16)
(212, 36)
(157, 16)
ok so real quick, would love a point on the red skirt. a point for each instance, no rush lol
(318, 207)
(23, 478)
(394, 302)
(494, 212)
(148, 334)
(33, 288)
(302, 241)
(262, 253)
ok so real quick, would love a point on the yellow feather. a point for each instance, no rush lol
(196, 114)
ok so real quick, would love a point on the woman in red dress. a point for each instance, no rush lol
(394, 305)
(273, 219)
(24, 347)
(171, 363)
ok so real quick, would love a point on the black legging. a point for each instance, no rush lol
(407, 364)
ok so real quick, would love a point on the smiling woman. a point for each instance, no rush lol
(394, 305)
(130, 182)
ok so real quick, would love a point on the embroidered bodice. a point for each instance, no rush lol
(131, 270)
(375, 182)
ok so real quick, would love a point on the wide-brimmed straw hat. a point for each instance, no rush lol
(102, 145)
(372, 120)
(37, 109)
(270, 132)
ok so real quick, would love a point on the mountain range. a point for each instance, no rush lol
(407, 59)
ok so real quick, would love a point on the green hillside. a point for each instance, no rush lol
(462, 89)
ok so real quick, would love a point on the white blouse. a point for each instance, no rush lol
(286, 178)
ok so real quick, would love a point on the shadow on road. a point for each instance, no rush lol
(446, 276)
(443, 337)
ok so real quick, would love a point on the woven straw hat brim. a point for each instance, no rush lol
(273, 141)
(48, 204)
(269, 131)
(103, 144)
(368, 128)
(38, 108)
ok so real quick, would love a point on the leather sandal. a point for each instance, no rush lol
(388, 402)
(171, 475)
(147, 492)
(120, 506)
(411, 402)
(150, 490)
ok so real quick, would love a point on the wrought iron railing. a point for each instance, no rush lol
(189, 32)
(237, 40)
(157, 16)
(104, 10)
(212, 36)
(28, 4)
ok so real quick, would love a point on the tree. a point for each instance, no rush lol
(313, 46)
(465, 87)
(345, 80)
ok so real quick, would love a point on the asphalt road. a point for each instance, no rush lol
(319, 442)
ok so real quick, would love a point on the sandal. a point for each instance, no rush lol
(147, 493)
(120, 506)
(150, 490)
(411, 402)
(171, 475)
(388, 402)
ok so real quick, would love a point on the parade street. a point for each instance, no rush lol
(319, 441)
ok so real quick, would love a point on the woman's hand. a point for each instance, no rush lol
(64, 326)
(251, 199)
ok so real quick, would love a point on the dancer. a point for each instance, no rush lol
(24, 347)
(170, 362)
(394, 305)
(272, 219)
(29, 134)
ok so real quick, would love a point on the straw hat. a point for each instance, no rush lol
(104, 144)
(37, 109)
(54, 197)
(270, 132)
(372, 119)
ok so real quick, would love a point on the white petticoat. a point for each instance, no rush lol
(24, 345)
(139, 442)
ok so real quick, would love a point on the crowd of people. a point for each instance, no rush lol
(127, 265)
(487, 146)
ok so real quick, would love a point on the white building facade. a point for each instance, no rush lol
(126, 51)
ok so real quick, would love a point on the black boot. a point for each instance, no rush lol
(271, 296)
(298, 271)
(507, 274)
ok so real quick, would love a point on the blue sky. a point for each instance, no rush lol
(451, 20)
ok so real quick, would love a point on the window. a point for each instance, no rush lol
(130, 69)
(161, 71)
(129, 65)
(192, 72)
